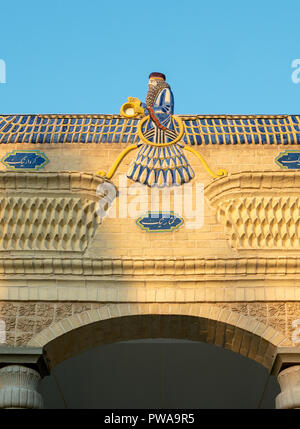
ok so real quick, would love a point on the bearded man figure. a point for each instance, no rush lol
(160, 160)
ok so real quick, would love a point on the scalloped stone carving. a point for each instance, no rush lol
(48, 211)
(262, 222)
(46, 223)
(260, 210)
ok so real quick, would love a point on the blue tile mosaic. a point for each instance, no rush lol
(199, 130)
(25, 160)
(159, 222)
(289, 160)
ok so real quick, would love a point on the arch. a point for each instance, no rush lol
(197, 322)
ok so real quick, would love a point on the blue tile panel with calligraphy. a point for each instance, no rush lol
(289, 159)
(159, 222)
(198, 129)
(25, 160)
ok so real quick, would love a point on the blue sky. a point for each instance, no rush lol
(70, 56)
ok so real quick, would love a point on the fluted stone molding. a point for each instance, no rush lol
(289, 380)
(50, 211)
(18, 387)
(145, 266)
(260, 210)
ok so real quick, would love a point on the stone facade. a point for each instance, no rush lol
(66, 274)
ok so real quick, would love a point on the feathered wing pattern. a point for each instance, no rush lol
(161, 166)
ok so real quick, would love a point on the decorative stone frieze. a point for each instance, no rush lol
(261, 210)
(137, 267)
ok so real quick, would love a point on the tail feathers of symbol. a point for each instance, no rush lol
(161, 166)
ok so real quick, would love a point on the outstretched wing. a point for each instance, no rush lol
(199, 129)
(242, 129)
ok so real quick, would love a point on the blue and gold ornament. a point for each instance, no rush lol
(160, 160)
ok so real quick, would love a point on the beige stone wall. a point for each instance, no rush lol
(122, 237)
(200, 272)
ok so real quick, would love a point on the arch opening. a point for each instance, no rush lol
(65, 339)
(159, 374)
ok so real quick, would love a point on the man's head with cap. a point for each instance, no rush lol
(156, 83)
(157, 75)
(155, 78)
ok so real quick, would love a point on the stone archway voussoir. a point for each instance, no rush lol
(240, 333)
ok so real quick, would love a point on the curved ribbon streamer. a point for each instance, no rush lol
(117, 162)
(221, 172)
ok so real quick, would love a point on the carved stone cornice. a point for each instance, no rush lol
(144, 267)
(286, 357)
(48, 211)
(31, 357)
(261, 210)
(249, 183)
(64, 182)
